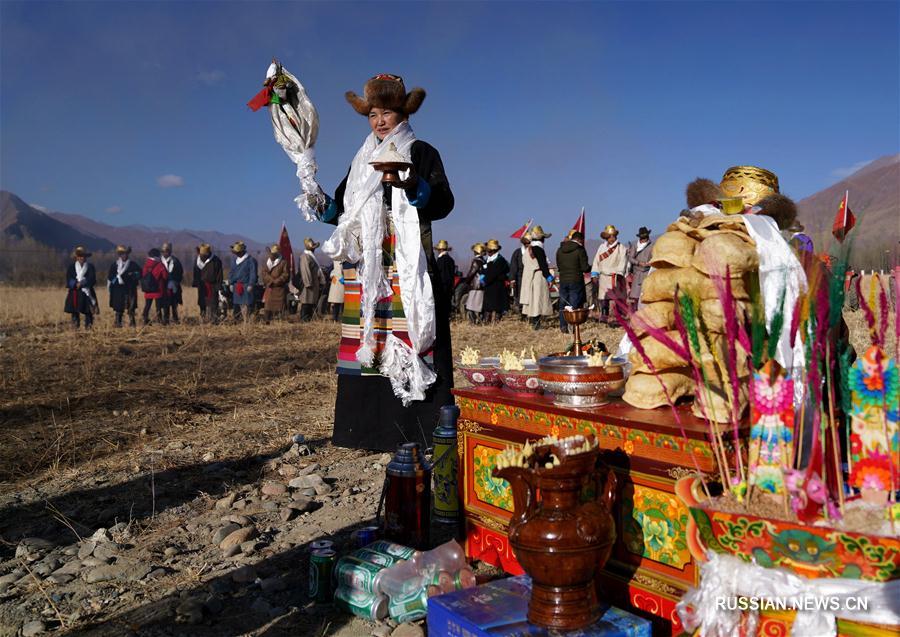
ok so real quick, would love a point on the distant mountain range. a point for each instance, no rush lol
(63, 231)
(874, 199)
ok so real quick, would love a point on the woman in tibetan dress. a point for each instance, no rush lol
(395, 367)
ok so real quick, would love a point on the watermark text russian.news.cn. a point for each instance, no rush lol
(830, 603)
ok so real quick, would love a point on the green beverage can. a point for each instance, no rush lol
(354, 572)
(361, 604)
(376, 557)
(393, 549)
(321, 565)
(409, 608)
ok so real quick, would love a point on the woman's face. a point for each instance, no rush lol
(383, 121)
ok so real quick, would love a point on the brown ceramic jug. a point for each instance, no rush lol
(559, 540)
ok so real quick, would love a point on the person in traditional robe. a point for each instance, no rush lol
(154, 276)
(515, 272)
(242, 277)
(536, 279)
(638, 257)
(608, 270)
(311, 278)
(572, 264)
(395, 359)
(475, 298)
(275, 277)
(494, 275)
(122, 282)
(208, 279)
(173, 297)
(81, 277)
(336, 291)
(446, 268)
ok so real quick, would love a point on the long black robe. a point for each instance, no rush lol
(123, 296)
(367, 414)
(446, 269)
(495, 273)
(177, 275)
(515, 270)
(76, 300)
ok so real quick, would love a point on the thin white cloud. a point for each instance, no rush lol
(114, 210)
(849, 170)
(38, 207)
(211, 78)
(170, 181)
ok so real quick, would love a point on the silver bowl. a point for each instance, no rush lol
(575, 383)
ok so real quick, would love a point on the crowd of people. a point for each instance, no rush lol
(248, 290)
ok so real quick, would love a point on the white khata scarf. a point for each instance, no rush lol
(121, 266)
(169, 262)
(239, 260)
(201, 263)
(358, 239)
(271, 264)
(80, 274)
(640, 246)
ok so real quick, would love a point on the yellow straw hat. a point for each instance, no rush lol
(443, 245)
(274, 249)
(80, 251)
(478, 248)
(493, 244)
(238, 246)
(310, 244)
(537, 233)
(608, 231)
(204, 249)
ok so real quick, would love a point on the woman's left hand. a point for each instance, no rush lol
(412, 181)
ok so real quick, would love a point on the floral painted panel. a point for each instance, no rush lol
(654, 525)
(488, 489)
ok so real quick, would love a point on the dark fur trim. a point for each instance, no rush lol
(782, 209)
(701, 191)
(359, 105)
(413, 100)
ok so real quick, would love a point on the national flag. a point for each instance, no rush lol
(844, 220)
(579, 225)
(287, 253)
(518, 234)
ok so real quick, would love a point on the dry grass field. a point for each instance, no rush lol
(145, 430)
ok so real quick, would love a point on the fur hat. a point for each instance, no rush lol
(782, 209)
(238, 246)
(310, 244)
(493, 244)
(274, 249)
(386, 91)
(443, 245)
(204, 249)
(80, 251)
(478, 248)
(609, 231)
(701, 191)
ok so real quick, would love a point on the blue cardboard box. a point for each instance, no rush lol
(499, 609)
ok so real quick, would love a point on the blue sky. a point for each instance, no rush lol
(135, 112)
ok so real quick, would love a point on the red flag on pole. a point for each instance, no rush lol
(518, 234)
(287, 253)
(579, 225)
(844, 220)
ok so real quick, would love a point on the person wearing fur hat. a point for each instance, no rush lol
(515, 272)
(81, 277)
(446, 268)
(173, 296)
(475, 298)
(122, 282)
(638, 257)
(536, 279)
(242, 277)
(310, 279)
(208, 280)
(154, 277)
(494, 276)
(395, 361)
(275, 277)
(608, 270)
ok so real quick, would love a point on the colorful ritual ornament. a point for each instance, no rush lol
(771, 438)
(874, 444)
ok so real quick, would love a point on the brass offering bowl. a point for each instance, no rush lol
(575, 317)
(575, 383)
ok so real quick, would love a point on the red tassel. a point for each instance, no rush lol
(260, 99)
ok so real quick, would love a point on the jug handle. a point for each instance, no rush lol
(523, 492)
(606, 492)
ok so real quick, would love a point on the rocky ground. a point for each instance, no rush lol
(170, 481)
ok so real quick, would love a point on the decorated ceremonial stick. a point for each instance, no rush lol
(835, 436)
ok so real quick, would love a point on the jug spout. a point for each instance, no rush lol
(521, 482)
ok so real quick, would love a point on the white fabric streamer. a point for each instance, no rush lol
(728, 577)
(296, 130)
(80, 274)
(358, 239)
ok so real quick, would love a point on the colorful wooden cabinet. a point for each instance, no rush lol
(651, 565)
